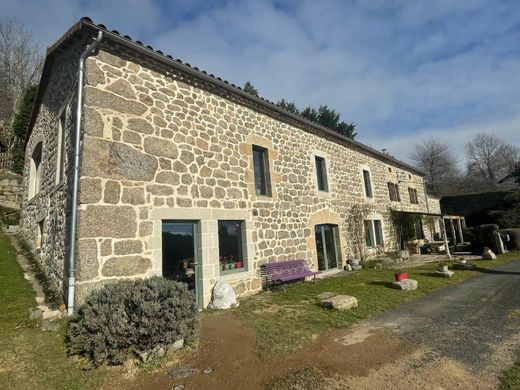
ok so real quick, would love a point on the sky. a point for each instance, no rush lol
(401, 70)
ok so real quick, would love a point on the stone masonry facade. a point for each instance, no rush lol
(10, 189)
(158, 145)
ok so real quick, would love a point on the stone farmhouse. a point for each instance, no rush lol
(138, 164)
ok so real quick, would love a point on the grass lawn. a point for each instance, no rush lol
(510, 380)
(31, 358)
(283, 322)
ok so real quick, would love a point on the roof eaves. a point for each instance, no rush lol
(185, 67)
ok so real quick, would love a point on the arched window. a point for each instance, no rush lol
(35, 174)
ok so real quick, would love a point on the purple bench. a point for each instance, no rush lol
(285, 271)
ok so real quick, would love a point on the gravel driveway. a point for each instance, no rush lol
(473, 323)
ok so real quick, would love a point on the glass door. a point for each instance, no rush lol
(327, 246)
(180, 253)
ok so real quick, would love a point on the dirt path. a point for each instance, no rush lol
(459, 337)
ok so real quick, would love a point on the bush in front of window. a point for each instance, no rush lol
(141, 317)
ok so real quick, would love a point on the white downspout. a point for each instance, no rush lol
(75, 181)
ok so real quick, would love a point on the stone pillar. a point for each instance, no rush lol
(459, 226)
(444, 235)
(453, 233)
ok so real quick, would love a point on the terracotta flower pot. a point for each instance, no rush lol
(401, 276)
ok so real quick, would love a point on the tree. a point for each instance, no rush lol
(20, 66)
(435, 158)
(490, 158)
(248, 87)
(288, 106)
(19, 127)
(329, 118)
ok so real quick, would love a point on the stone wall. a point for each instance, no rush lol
(10, 190)
(157, 146)
(50, 207)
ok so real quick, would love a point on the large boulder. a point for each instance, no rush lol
(488, 254)
(340, 302)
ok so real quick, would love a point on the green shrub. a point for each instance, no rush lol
(480, 237)
(133, 317)
(514, 236)
(9, 216)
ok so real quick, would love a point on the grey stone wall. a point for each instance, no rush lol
(158, 146)
(52, 204)
(10, 189)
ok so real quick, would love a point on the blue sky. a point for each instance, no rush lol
(400, 70)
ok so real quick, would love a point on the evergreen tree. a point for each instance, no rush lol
(288, 106)
(248, 87)
(20, 123)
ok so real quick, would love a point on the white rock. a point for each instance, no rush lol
(340, 302)
(406, 284)
(488, 255)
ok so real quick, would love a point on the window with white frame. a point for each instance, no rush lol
(35, 171)
(231, 246)
(373, 233)
(367, 183)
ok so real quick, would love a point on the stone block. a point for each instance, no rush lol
(126, 266)
(123, 88)
(94, 124)
(128, 247)
(89, 190)
(87, 260)
(133, 195)
(98, 98)
(107, 222)
(160, 147)
(140, 126)
(406, 285)
(340, 302)
(114, 160)
(112, 192)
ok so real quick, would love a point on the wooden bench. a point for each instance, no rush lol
(285, 271)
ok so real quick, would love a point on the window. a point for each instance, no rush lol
(321, 174)
(327, 246)
(414, 199)
(261, 170)
(373, 233)
(368, 184)
(60, 155)
(230, 249)
(393, 191)
(35, 171)
(418, 229)
(39, 234)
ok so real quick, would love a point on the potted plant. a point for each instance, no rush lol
(238, 264)
(443, 266)
(230, 266)
(401, 275)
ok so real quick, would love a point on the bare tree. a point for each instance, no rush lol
(435, 158)
(490, 158)
(20, 66)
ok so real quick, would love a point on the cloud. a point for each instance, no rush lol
(400, 70)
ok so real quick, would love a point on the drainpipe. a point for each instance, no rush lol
(75, 181)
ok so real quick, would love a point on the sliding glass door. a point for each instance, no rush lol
(327, 246)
